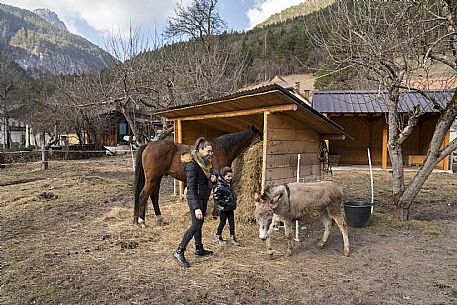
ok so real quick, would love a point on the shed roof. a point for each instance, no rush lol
(260, 99)
(348, 101)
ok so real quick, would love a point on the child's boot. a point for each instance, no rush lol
(220, 240)
(234, 241)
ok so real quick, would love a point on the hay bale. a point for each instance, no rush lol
(247, 178)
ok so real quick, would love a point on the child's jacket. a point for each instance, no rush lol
(224, 196)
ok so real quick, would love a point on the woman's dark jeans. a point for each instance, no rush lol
(195, 229)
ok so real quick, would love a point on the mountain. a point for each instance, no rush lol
(40, 47)
(302, 9)
(51, 17)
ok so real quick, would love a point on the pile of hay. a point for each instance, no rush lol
(247, 178)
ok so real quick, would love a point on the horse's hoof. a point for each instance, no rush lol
(141, 223)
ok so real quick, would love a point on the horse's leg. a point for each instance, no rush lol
(144, 195)
(215, 212)
(155, 201)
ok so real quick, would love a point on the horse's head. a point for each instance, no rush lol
(257, 135)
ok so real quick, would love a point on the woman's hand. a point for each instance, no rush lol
(199, 214)
(213, 178)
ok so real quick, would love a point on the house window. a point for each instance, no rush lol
(122, 129)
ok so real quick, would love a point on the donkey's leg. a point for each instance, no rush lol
(289, 235)
(268, 245)
(341, 223)
(327, 221)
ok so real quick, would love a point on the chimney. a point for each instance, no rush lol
(306, 94)
(297, 87)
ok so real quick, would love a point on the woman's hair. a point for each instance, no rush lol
(225, 170)
(202, 143)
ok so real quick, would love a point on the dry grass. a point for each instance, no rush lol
(80, 247)
(248, 178)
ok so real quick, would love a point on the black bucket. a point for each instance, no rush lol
(357, 213)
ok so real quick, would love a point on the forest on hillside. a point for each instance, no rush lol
(210, 62)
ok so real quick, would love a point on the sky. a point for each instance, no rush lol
(98, 19)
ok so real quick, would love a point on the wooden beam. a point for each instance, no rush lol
(384, 148)
(168, 111)
(178, 137)
(227, 114)
(265, 146)
(334, 137)
(178, 131)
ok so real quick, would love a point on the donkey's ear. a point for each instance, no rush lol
(275, 201)
(256, 196)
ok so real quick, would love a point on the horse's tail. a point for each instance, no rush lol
(139, 182)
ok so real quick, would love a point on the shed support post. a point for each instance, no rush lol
(264, 153)
(384, 148)
(327, 142)
(178, 139)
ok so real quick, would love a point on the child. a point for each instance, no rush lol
(225, 199)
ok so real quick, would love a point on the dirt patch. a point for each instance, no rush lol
(81, 247)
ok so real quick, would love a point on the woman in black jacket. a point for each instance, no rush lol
(199, 177)
(225, 199)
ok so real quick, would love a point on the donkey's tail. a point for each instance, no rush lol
(139, 182)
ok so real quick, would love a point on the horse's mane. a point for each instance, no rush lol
(230, 140)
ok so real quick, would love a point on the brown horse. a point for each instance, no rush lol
(159, 158)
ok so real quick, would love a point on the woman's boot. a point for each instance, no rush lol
(200, 251)
(178, 256)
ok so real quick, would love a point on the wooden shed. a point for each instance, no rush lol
(363, 114)
(290, 127)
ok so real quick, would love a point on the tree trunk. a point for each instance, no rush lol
(44, 154)
(434, 155)
(398, 178)
(44, 158)
(8, 134)
(395, 149)
(131, 124)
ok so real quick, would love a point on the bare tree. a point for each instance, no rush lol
(80, 107)
(12, 78)
(206, 66)
(200, 20)
(138, 80)
(388, 44)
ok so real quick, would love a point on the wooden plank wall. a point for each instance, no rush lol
(368, 132)
(286, 139)
(192, 130)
